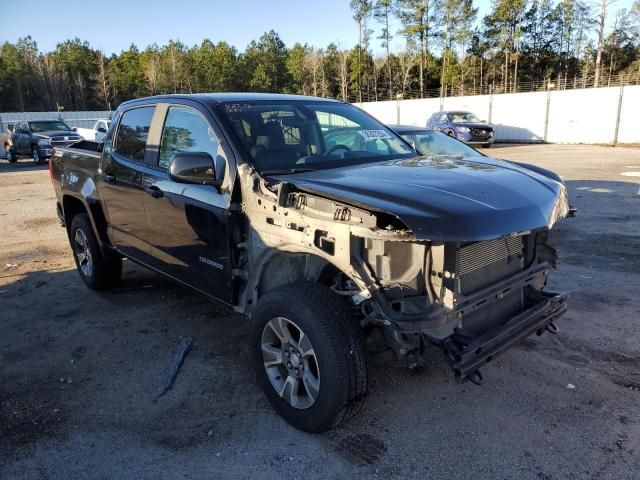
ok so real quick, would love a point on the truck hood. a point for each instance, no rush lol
(55, 133)
(445, 197)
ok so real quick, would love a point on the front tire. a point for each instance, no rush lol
(11, 155)
(37, 156)
(309, 356)
(97, 270)
(486, 145)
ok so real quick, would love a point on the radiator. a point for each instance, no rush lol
(481, 264)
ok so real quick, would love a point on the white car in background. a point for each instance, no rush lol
(97, 133)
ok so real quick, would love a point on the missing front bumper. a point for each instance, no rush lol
(466, 356)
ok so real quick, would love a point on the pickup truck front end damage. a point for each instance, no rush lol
(473, 299)
(337, 240)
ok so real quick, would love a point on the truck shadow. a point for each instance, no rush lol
(22, 165)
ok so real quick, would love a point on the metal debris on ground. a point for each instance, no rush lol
(174, 366)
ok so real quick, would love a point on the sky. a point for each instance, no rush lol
(112, 25)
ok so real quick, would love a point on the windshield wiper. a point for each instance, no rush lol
(287, 171)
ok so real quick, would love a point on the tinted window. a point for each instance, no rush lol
(131, 138)
(185, 130)
(48, 125)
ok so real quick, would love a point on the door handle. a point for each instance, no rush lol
(154, 191)
(109, 178)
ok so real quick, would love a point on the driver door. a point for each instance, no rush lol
(21, 138)
(187, 223)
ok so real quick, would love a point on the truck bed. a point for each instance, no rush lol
(74, 169)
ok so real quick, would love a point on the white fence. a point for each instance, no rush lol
(73, 119)
(593, 115)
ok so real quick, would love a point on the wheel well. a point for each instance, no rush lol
(289, 268)
(71, 207)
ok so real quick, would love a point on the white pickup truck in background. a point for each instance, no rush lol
(96, 133)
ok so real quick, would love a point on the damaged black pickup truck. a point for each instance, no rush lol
(325, 228)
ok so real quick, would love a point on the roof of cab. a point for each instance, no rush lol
(233, 97)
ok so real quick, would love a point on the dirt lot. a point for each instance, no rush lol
(79, 370)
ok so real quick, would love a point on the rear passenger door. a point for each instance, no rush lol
(188, 223)
(121, 187)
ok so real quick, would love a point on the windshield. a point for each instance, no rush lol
(428, 142)
(462, 117)
(48, 125)
(290, 136)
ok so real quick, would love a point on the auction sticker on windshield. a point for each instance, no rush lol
(374, 134)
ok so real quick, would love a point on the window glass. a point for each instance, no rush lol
(185, 130)
(47, 125)
(133, 130)
(289, 136)
(461, 117)
(428, 142)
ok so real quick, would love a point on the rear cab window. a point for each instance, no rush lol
(131, 137)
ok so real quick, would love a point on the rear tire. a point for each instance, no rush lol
(11, 155)
(97, 270)
(486, 145)
(332, 383)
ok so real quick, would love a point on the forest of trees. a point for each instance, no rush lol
(446, 50)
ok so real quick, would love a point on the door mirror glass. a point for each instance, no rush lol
(193, 167)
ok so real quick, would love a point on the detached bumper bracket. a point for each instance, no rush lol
(466, 358)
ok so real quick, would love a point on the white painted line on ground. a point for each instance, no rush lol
(630, 174)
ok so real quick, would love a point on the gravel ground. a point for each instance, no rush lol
(80, 370)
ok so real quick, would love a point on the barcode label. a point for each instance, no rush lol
(374, 134)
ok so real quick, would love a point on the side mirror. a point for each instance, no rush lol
(193, 167)
(102, 130)
(74, 129)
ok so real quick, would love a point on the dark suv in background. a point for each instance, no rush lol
(36, 139)
(464, 126)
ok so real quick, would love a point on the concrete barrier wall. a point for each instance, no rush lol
(594, 115)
